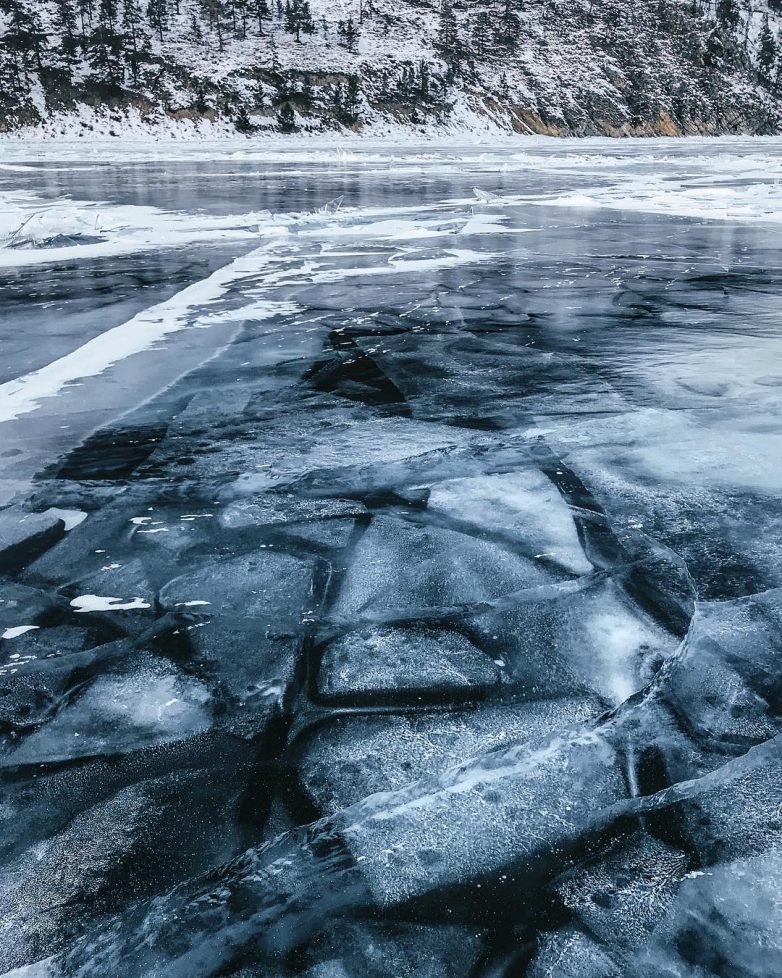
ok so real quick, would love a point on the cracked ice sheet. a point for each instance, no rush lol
(524, 504)
(195, 306)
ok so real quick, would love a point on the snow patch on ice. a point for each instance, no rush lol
(94, 602)
(38, 230)
(18, 630)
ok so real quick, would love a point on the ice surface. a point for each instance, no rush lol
(249, 674)
(588, 636)
(352, 757)
(394, 662)
(280, 509)
(159, 828)
(570, 953)
(37, 230)
(24, 535)
(268, 587)
(138, 334)
(140, 702)
(729, 918)
(515, 808)
(400, 566)
(362, 949)
(391, 586)
(624, 897)
(525, 505)
(727, 684)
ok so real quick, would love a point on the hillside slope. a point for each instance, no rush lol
(563, 68)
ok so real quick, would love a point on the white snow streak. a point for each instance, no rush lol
(138, 334)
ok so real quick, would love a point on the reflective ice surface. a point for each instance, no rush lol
(390, 555)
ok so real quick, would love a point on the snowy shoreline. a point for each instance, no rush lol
(222, 141)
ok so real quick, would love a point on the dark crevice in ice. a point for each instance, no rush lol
(112, 454)
(351, 373)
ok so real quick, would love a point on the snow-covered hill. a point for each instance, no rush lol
(548, 66)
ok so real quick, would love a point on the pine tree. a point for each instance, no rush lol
(307, 21)
(215, 13)
(777, 70)
(157, 15)
(242, 121)
(481, 32)
(262, 13)
(423, 82)
(406, 83)
(10, 80)
(346, 102)
(242, 6)
(65, 22)
(352, 99)
(134, 35)
(107, 13)
(196, 34)
(350, 34)
(337, 105)
(86, 10)
(284, 91)
(307, 95)
(510, 25)
(728, 13)
(448, 35)
(105, 48)
(767, 52)
(298, 18)
(24, 37)
(286, 118)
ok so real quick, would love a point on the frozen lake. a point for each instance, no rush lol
(428, 496)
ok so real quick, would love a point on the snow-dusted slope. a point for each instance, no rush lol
(578, 67)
